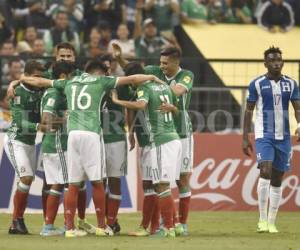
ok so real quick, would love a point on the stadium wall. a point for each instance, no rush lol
(223, 179)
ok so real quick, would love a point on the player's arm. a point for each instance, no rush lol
(178, 90)
(130, 122)
(135, 105)
(296, 106)
(38, 82)
(11, 93)
(183, 85)
(168, 107)
(247, 128)
(138, 79)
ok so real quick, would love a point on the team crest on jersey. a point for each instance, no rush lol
(140, 93)
(50, 102)
(187, 79)
(286, 87)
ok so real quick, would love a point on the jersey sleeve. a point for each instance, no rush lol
(186, 80)
(49, 103)
(252, 95)
(109, 82)
(142, 94)
(59, 84)
(295, 94)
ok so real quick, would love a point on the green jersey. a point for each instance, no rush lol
(113, 118)
(193, 9)
(84, 94)
(160, 124)
(184, 78)
(25, 110)
(54, 102)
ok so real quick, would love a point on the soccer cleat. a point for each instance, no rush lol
(140, 232)
(272, 228)
(18, 227)
(178, 229)
(109, 231)
(185, 230)
(85, 226)
(262, 226)
(75, 233)
(115, 228)
(100, 232)
(50, 230)
(164, 232)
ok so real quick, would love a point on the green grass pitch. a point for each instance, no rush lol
(208, 230)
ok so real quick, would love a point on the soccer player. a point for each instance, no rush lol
(54, 151)
(271, 94)
(85, 155)
(19, 142)
(66, 52)
(153, 99)
(181, 83)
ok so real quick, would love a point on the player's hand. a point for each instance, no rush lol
(247, 147)
(166, 107)
(116, 50)
(297, 133)
(131, 141)
(45, 128)
(11, 93)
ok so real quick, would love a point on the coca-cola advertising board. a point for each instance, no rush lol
(224, 178)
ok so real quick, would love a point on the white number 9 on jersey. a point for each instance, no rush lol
(80, 97)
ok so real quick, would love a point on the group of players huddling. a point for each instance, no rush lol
(94, 106)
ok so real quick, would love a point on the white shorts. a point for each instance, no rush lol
(168, 157)
(55, 167)
(22, 156)
(116, 158)
(85, 160)
(147, 160)
(187, 155)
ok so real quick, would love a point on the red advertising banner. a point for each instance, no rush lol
(225, 179)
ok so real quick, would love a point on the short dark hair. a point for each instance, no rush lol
(134, 68)
(172, 52)
(95, 65)
(272, 50)
(106, 57)
(32, 66)
(62, 67)
(65, 45)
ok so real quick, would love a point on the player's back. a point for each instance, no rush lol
(162, 124)
(84, 94)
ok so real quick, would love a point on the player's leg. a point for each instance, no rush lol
(55, 168)
(184, 186)
(265, 155)
(116, 167)
(168, 156)
(280, 165)
(22, 158)
(45, 193)
(76, 176)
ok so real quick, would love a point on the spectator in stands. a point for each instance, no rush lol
(296, 7)
(193, 11)
(148, 43)
(110, 11)
(161, 11)
(236, 11)
(5, 116)
(29, 37)
(214, 11)
(92, 47)
(61, 32)
(276, 13)
(15, 70)
(38, 48)
(106, 35)
(5, 31)
(73, 8)
(114, 69)
(127, 45)
(8, 49)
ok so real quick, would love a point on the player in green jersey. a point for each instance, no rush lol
(54, 153)
(181, 83)
(157, 101)
(19, 143)
(84, 94)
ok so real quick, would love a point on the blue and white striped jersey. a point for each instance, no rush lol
(272, 104)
